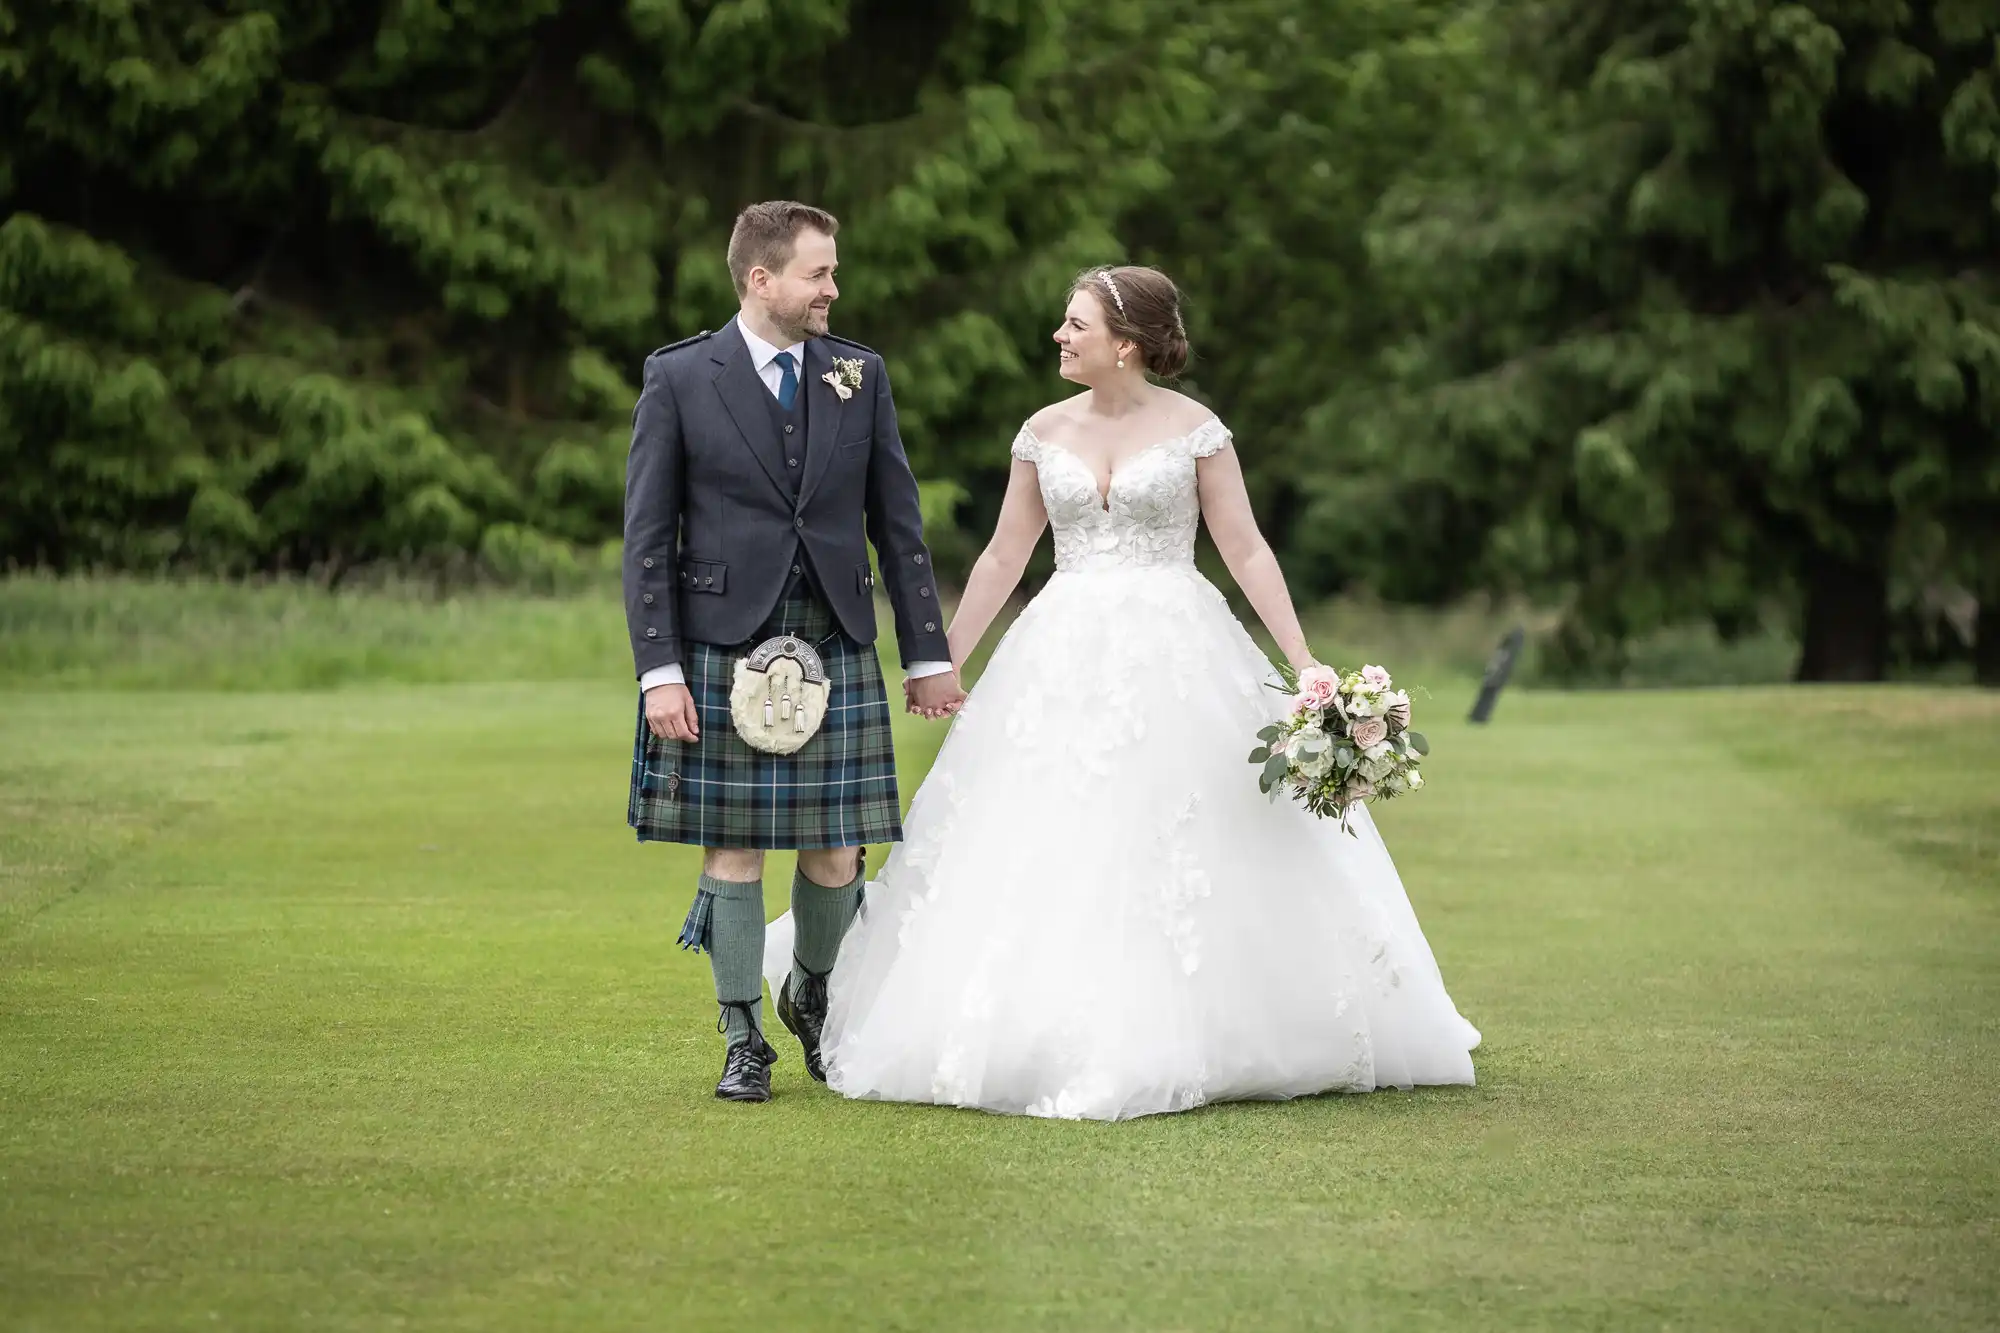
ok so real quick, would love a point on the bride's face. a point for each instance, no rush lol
(1090, 351)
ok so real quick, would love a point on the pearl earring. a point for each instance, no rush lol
(1121, 363)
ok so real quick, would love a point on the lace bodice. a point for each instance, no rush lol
(1153, 509)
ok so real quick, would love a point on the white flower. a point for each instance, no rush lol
(845, 377)
(1415, 779)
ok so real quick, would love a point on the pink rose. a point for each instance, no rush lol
(1317, 687)
(1375, 678)
(1369, 731)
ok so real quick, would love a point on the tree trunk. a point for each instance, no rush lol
(1847, 620)
(1986, 643)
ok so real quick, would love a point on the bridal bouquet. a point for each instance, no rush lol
(1346, 740)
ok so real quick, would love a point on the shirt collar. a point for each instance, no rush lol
(763, 353)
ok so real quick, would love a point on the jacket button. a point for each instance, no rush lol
(788, 430)
(798, 523)
(930, 627)
(923, 592)
(797, 570)
(647, 562)
(705, 582)
(920, 559)
(791, 462)
(652, 634)
(647, 599)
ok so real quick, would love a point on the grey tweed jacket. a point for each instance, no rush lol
(713, 530)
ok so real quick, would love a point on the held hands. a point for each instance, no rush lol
(934, 697)
(670, 713)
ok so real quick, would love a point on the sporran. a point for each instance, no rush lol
(779, 696)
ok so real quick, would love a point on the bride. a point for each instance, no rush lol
(1094, 913)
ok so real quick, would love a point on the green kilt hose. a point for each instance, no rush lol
(838, 791)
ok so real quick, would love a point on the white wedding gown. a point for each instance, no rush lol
(1095, 914)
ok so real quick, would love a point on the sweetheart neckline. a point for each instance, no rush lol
(1111, 480)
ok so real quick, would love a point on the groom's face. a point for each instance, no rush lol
(796, 299)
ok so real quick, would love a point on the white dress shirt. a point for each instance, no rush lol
(764, 356)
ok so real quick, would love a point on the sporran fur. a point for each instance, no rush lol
(778, 698)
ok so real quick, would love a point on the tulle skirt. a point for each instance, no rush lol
(1095, 914)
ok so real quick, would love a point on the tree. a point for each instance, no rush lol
(285, 284)
(1708, 313)
(1265, 228)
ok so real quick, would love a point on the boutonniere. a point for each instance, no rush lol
(845, 377)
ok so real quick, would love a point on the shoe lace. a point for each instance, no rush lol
(810, 997)
(752, 1049)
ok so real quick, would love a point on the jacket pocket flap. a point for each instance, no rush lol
(704, 575)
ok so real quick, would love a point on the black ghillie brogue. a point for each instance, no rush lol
(746, 1070)
(804, 1013)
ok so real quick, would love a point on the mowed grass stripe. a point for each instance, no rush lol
(376, 1014)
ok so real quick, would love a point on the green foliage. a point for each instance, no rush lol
(1708, 315)
(284, 286)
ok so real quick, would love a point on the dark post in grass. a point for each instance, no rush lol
(1498, 668)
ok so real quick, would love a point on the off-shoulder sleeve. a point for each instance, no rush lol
(1026, 447)
(1210, 437)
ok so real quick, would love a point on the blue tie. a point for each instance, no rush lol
(788, 387)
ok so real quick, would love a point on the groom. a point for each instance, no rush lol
(764, 460)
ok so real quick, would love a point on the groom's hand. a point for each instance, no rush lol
(934, 697)
(670, 713)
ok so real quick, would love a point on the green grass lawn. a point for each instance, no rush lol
(359, 1009)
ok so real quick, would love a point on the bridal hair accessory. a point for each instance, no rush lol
(845, 377)
(780, 695)
(1113, 288)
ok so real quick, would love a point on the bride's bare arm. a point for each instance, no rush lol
(998, 569)
(1225, 507)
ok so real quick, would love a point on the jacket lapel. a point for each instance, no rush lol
(823, 421)
(743, 394)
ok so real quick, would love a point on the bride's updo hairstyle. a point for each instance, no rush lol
(1141, 304)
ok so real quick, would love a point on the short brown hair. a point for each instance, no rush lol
(766, 234)
(1144, 305)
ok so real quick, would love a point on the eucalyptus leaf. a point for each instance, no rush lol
(1260, 754)
(1274, 767)
(1416, 739)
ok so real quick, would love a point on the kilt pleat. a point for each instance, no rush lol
(837, 791)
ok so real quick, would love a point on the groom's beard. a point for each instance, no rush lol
(808, 321)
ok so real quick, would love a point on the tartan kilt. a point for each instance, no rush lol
(839, 790)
